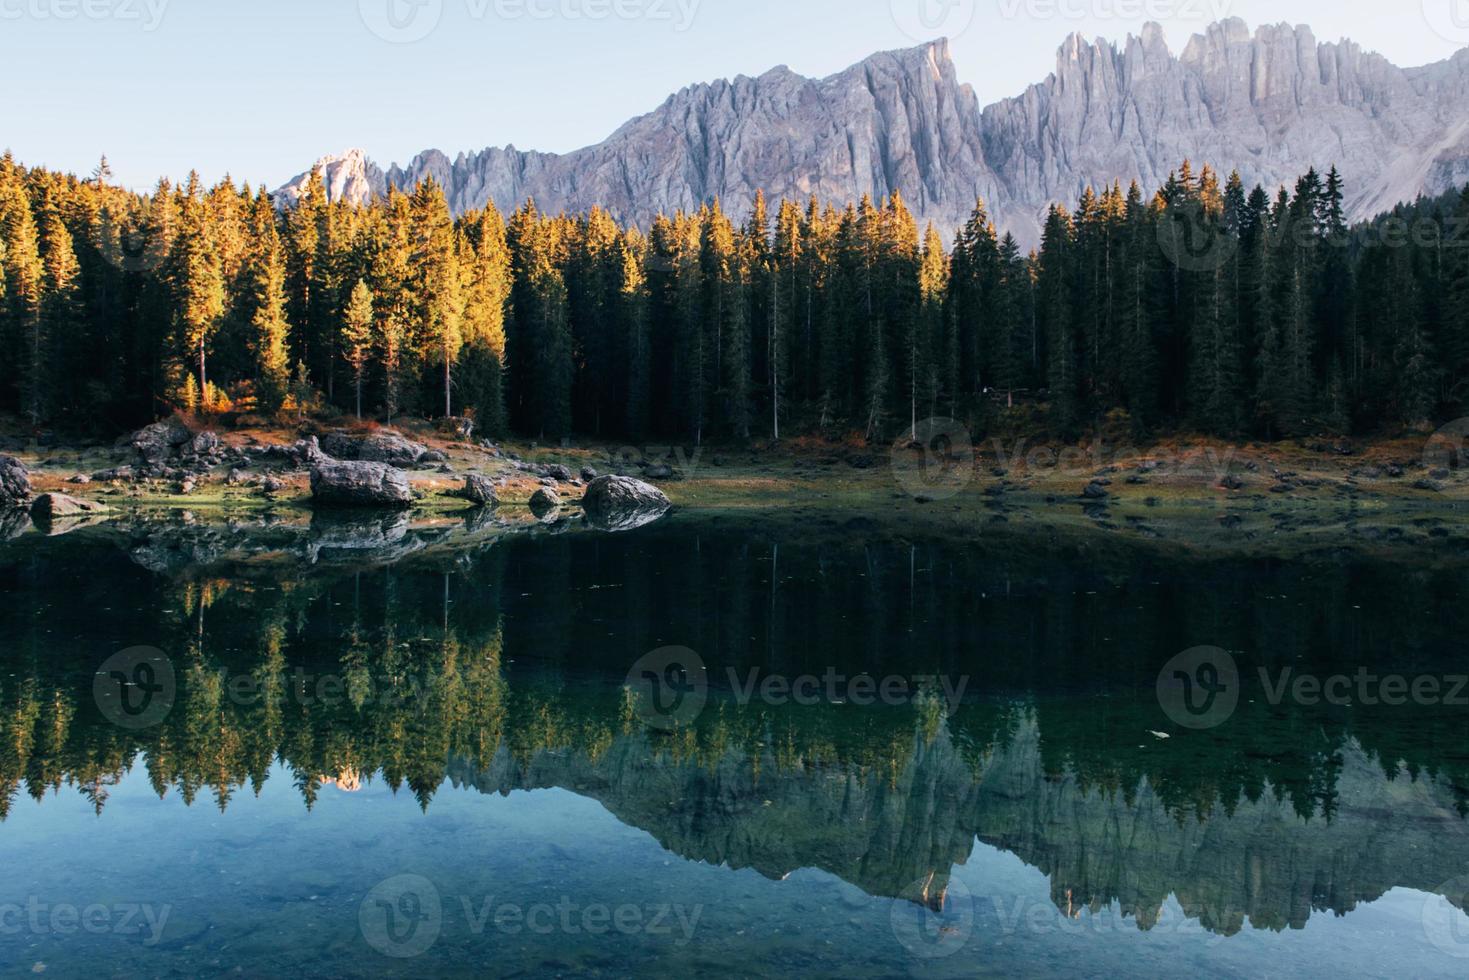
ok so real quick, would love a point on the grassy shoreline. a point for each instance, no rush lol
(1194, 493)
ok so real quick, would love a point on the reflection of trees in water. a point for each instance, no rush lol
(494, 671)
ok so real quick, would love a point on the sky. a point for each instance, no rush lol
(260, 89)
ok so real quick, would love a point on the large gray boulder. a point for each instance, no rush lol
(54, 506)
(15, 482)
(159, 442)
(620, 503)
(479, 491)
(356, 484)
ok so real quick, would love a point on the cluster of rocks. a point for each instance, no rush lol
(168, 450)
(15, 497)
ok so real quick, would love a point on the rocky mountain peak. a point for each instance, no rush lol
(1271, 104)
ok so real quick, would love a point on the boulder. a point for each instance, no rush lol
(557, 472)
(479, 491)
(588, 474)
(15, 482)
(203, 444)
(359, 484)
(306, 452)
(619, 503)
(119, 473)
(51, 506)
(157, 442)
(544, 501)
(659, 471)
(1095, 491)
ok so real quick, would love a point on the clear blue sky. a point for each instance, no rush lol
(262, 88)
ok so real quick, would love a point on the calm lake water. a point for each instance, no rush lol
(363, 748)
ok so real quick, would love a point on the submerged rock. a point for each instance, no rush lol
(15, 482)
(357, 484)
(620, 503)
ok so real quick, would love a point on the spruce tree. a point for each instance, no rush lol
(358, 330)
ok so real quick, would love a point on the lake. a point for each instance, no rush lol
(367, 747)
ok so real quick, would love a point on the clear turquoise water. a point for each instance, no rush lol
(480, 771)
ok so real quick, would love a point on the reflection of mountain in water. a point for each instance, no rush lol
(501, 668)
(1258, 860)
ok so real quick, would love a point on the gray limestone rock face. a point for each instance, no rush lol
(1271, 104)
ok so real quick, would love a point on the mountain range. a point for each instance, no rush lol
(1270, 103)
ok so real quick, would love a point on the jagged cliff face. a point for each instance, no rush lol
(1270, 104)
(1259, 861)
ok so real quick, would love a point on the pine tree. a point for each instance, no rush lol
(60, 317)
(270, 327)
(927, 328)
(786, 255)
(358, 330)
(24, 275)
(198, 285)
(485, 259)
(1055, 309)
(440, 301)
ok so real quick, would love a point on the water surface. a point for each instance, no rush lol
(364, 748)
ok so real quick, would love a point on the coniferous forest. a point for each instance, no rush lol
(1200, 306)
